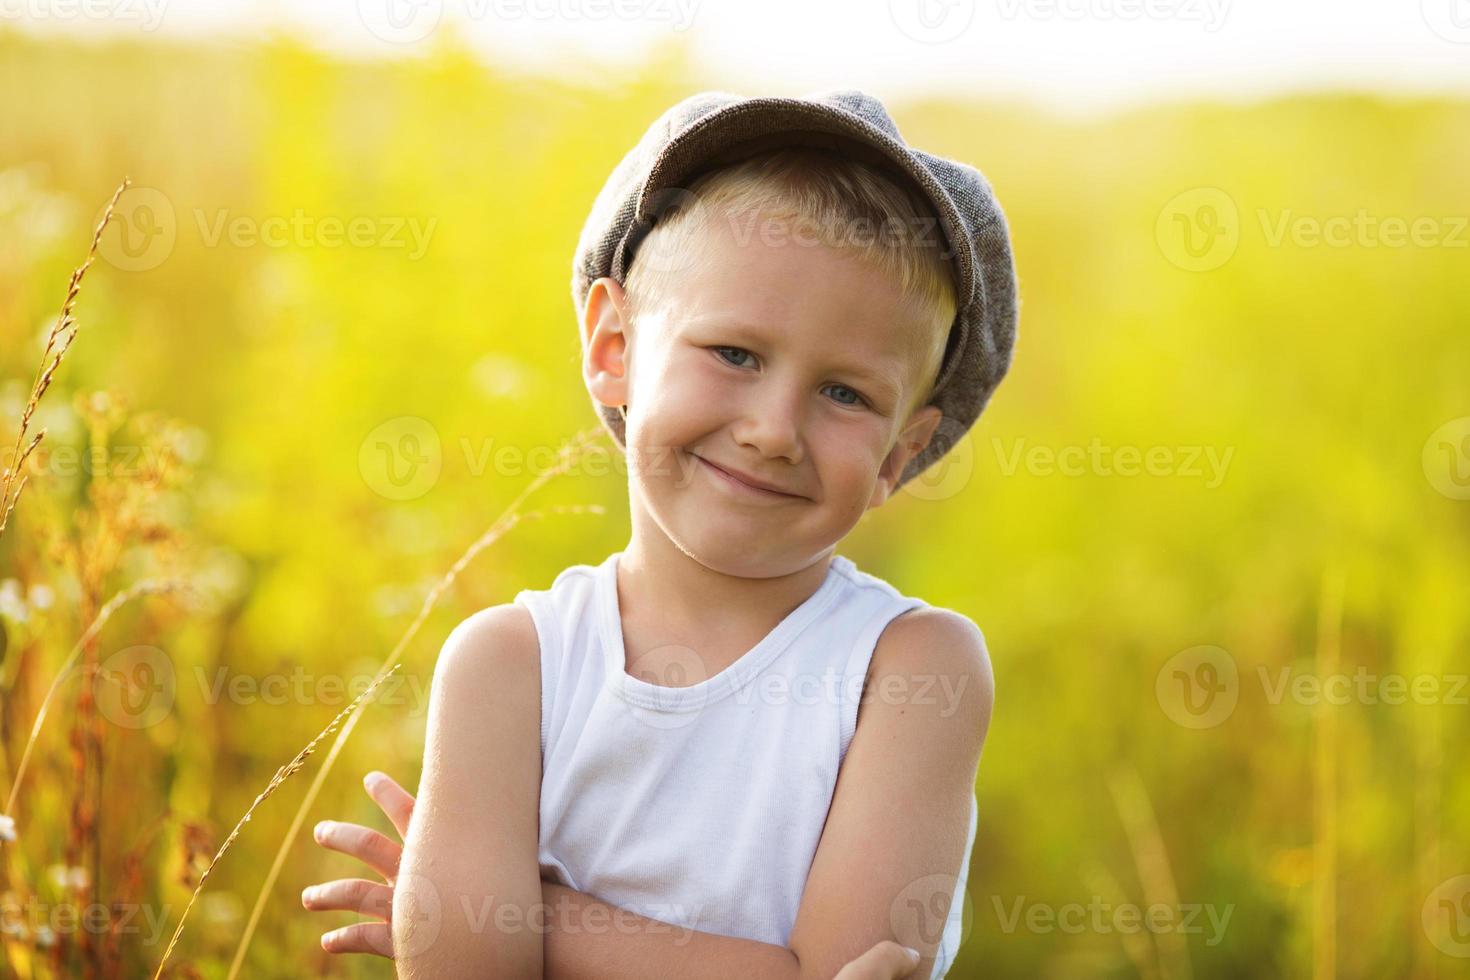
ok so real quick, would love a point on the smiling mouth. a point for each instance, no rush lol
(731, 479)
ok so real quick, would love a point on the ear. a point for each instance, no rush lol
(911, 441)
(605, 342)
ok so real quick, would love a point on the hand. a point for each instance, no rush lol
(885, 961)
(358, 894)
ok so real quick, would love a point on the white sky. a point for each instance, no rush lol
(1077, 55)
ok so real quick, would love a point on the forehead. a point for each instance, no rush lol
(770, 281)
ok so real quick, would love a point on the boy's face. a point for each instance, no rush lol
(786, 362)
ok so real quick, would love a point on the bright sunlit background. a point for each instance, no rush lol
(1214, 524)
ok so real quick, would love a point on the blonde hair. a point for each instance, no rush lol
(836, 200)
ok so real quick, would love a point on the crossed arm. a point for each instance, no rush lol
(464, 895)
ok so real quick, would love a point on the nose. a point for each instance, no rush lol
(770, 420)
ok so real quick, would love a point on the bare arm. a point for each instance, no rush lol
(571, 923)
(893, 845)
(464, 896)
(472, 840)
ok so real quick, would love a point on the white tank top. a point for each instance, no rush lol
(702, 805)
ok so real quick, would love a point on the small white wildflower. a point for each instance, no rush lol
(44, 936)
(12, 605)
(41, 596)
(65, 877)
(7, 827)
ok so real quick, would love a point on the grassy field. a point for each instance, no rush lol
(1214, 525)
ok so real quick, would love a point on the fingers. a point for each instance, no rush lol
(392, 799)
(360, 937)
(363, 843)
(350, 895)
(885, 961)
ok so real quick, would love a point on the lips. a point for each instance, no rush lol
(749, 482)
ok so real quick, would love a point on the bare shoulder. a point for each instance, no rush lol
(496, 642)
(940, 650)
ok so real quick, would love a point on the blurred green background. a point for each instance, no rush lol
(1305, 401)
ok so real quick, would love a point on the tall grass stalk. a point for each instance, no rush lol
(1324, 779)
(282, 774)
(1151, 858)
(146, 587)
(58, 341)
(509, 517)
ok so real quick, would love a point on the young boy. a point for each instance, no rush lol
(725, 751)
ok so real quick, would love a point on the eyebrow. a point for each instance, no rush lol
(882, 384)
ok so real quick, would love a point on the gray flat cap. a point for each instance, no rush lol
(712, 128)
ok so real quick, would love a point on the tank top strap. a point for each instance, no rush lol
(881, 604)
(563, 614)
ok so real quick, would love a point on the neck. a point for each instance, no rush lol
(656, 578)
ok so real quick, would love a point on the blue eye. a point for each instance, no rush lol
(857, 399)
(726, 359)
